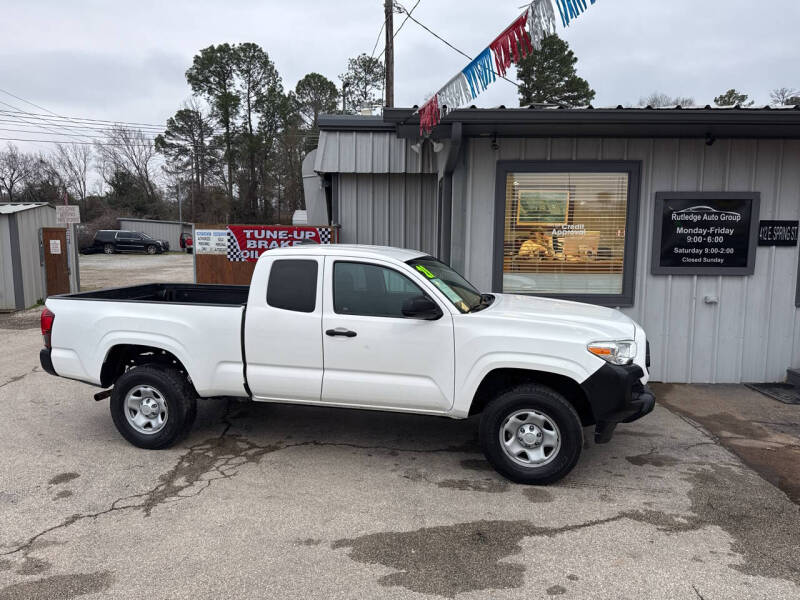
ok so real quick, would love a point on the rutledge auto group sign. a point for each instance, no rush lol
(705, 233)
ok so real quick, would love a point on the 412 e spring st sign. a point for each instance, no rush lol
(702, 233)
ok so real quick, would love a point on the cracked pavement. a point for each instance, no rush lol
(279, 501)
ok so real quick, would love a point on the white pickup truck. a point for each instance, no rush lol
(359, 327)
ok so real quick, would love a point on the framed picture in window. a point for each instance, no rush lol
(542, 207)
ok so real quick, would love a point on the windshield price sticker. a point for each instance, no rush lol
(425, 272)
(705, 233)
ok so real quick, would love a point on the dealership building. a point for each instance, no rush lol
(684, 219)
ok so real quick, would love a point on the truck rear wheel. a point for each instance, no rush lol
(153, 407)
(531, 435)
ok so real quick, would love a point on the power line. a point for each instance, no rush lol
(32, 123)
(10, 139)
(380, 31)
(295, 136)
(441, 39)
(82, 119)
(79, 128)
(84, 130)
(88, 137)
(27, 102)
(394, 35)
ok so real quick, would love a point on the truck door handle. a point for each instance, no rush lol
(340, 331)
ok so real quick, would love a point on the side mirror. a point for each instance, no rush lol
(421, 307)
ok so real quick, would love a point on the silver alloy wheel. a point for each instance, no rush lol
(146, 409)
(108, 249)
(530, 438)
(151, 249)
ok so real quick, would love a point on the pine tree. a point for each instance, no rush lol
(549, 76)
(732, 98)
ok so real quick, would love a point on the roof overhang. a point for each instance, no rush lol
(763, 123)
(356, 123)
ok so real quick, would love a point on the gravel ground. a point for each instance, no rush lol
(103, 271)
(272, 501)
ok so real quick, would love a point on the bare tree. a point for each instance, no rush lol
(128, 151)
(72, 163)
(15, 168)
(43, 182)
(784, 96)
(660, 100)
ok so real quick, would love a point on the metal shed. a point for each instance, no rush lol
(22, 277)
(160, 230)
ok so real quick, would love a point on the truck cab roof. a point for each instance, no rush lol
(389, 252)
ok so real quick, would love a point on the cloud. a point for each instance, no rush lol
(127, 60)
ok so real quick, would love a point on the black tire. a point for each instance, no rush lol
(543, 400)
(151, 249)
(108, 249)
(178, 394)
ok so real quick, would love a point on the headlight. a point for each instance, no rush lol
(616, 353)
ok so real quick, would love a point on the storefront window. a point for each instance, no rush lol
(565, 233)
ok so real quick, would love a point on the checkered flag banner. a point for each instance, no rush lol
(324, 235)
(234, 252)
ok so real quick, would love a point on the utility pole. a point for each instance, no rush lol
(388, 9)
(178, 193)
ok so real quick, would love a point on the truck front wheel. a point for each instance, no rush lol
(153, 407)
(531, 435)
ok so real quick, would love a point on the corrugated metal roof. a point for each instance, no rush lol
(354, 123)
(8, 208)
(761, 122)
(377, 151)
(648, 107)
(152, 221)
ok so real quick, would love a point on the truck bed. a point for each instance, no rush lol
(175, 293)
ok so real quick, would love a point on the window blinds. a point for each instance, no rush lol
(565, 232)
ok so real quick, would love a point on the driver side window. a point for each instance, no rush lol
(370, 290)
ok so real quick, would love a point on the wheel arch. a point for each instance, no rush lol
(122, 357)
(500, 379)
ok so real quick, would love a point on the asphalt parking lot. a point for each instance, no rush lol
(272, 501)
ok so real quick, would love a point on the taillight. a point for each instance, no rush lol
(47, 325)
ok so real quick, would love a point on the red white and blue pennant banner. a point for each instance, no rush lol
(516, 42)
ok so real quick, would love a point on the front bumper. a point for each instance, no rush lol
(617, 395)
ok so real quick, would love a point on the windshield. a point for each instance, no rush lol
(145, 236)
(457, 289)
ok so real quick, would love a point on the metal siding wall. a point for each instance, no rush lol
(388, 209)
(753, 333)
(158, 230)
(7, 301)
(370, 152)
(348, 208)
(29, 222)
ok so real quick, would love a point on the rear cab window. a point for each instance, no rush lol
(292, 285)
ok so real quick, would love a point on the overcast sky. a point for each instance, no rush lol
(125, 60)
